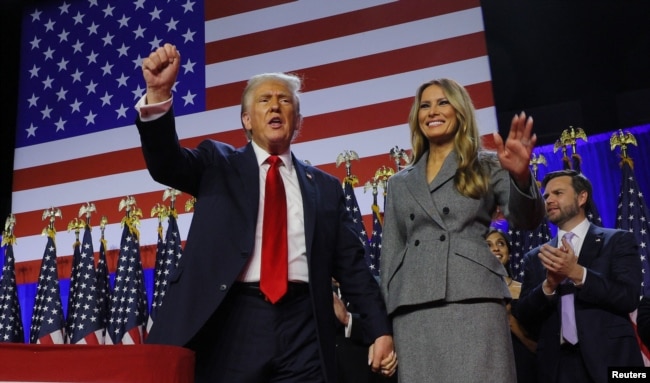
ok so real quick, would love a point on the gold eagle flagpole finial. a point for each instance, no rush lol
(535, 161)
(346, 157)
(87, 210)
(398, 155)
(569, 138)
(172, 194)
(8, 237)
(51, 214)
(132, 215)
(623, 139)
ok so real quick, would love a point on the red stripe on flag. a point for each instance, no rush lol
(91, 339)
(330, 27)
(218, 9)
(366, 68)
(135, 335)
(101, 164)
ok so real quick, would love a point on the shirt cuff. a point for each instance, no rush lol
(348, 327)
(544, 290)
(584, 277)
(150, 112)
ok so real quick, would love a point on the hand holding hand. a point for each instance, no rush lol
(382, 357)
(160, 70)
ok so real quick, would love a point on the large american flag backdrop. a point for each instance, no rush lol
(80, 77)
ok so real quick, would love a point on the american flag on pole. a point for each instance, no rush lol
(632, 215)
(74, 273)
(361, 61)
(48, 324)
(11, 325)
(128, 309)
(167, 257)
(84, 317)
(375, 241)
(103, 283)
(351, 203)
(352, 207)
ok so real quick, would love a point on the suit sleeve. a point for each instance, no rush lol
(169, 163)
(618, 289)
(524, 209)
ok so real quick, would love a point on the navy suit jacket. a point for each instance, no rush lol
(602, 305)
(221, 238)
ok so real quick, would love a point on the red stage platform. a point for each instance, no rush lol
(85, 363)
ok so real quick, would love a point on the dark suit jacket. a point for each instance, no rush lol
(221, 238)
(602, 305)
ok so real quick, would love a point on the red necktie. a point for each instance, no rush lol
(273, 279)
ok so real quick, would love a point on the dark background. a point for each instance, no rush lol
(579, 63)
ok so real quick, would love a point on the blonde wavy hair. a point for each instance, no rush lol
(471, 179)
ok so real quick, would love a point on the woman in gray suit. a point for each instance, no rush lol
(444, 289)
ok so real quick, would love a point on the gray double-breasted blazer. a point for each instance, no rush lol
(433, 246)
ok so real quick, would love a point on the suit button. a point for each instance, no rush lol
(412, 216)
(223, 287)
(445, 210)
(417, 242)
(442, 238)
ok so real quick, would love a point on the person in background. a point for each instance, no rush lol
(522, 343)
(579, 289)
(444, 289)
(221, 301)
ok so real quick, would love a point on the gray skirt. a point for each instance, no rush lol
(465, 341)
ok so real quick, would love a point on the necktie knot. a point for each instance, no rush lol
(274, 160)
(569, 237)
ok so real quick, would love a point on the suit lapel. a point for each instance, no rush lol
(446, 173)
(422, 193)
(309, 199)
(244, 162)
(591, 246)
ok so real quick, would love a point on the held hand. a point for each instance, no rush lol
(160, 70)
(382, 357)
(515, 155)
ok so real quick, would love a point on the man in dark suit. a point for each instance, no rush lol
(217, 303)
(596, 274)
